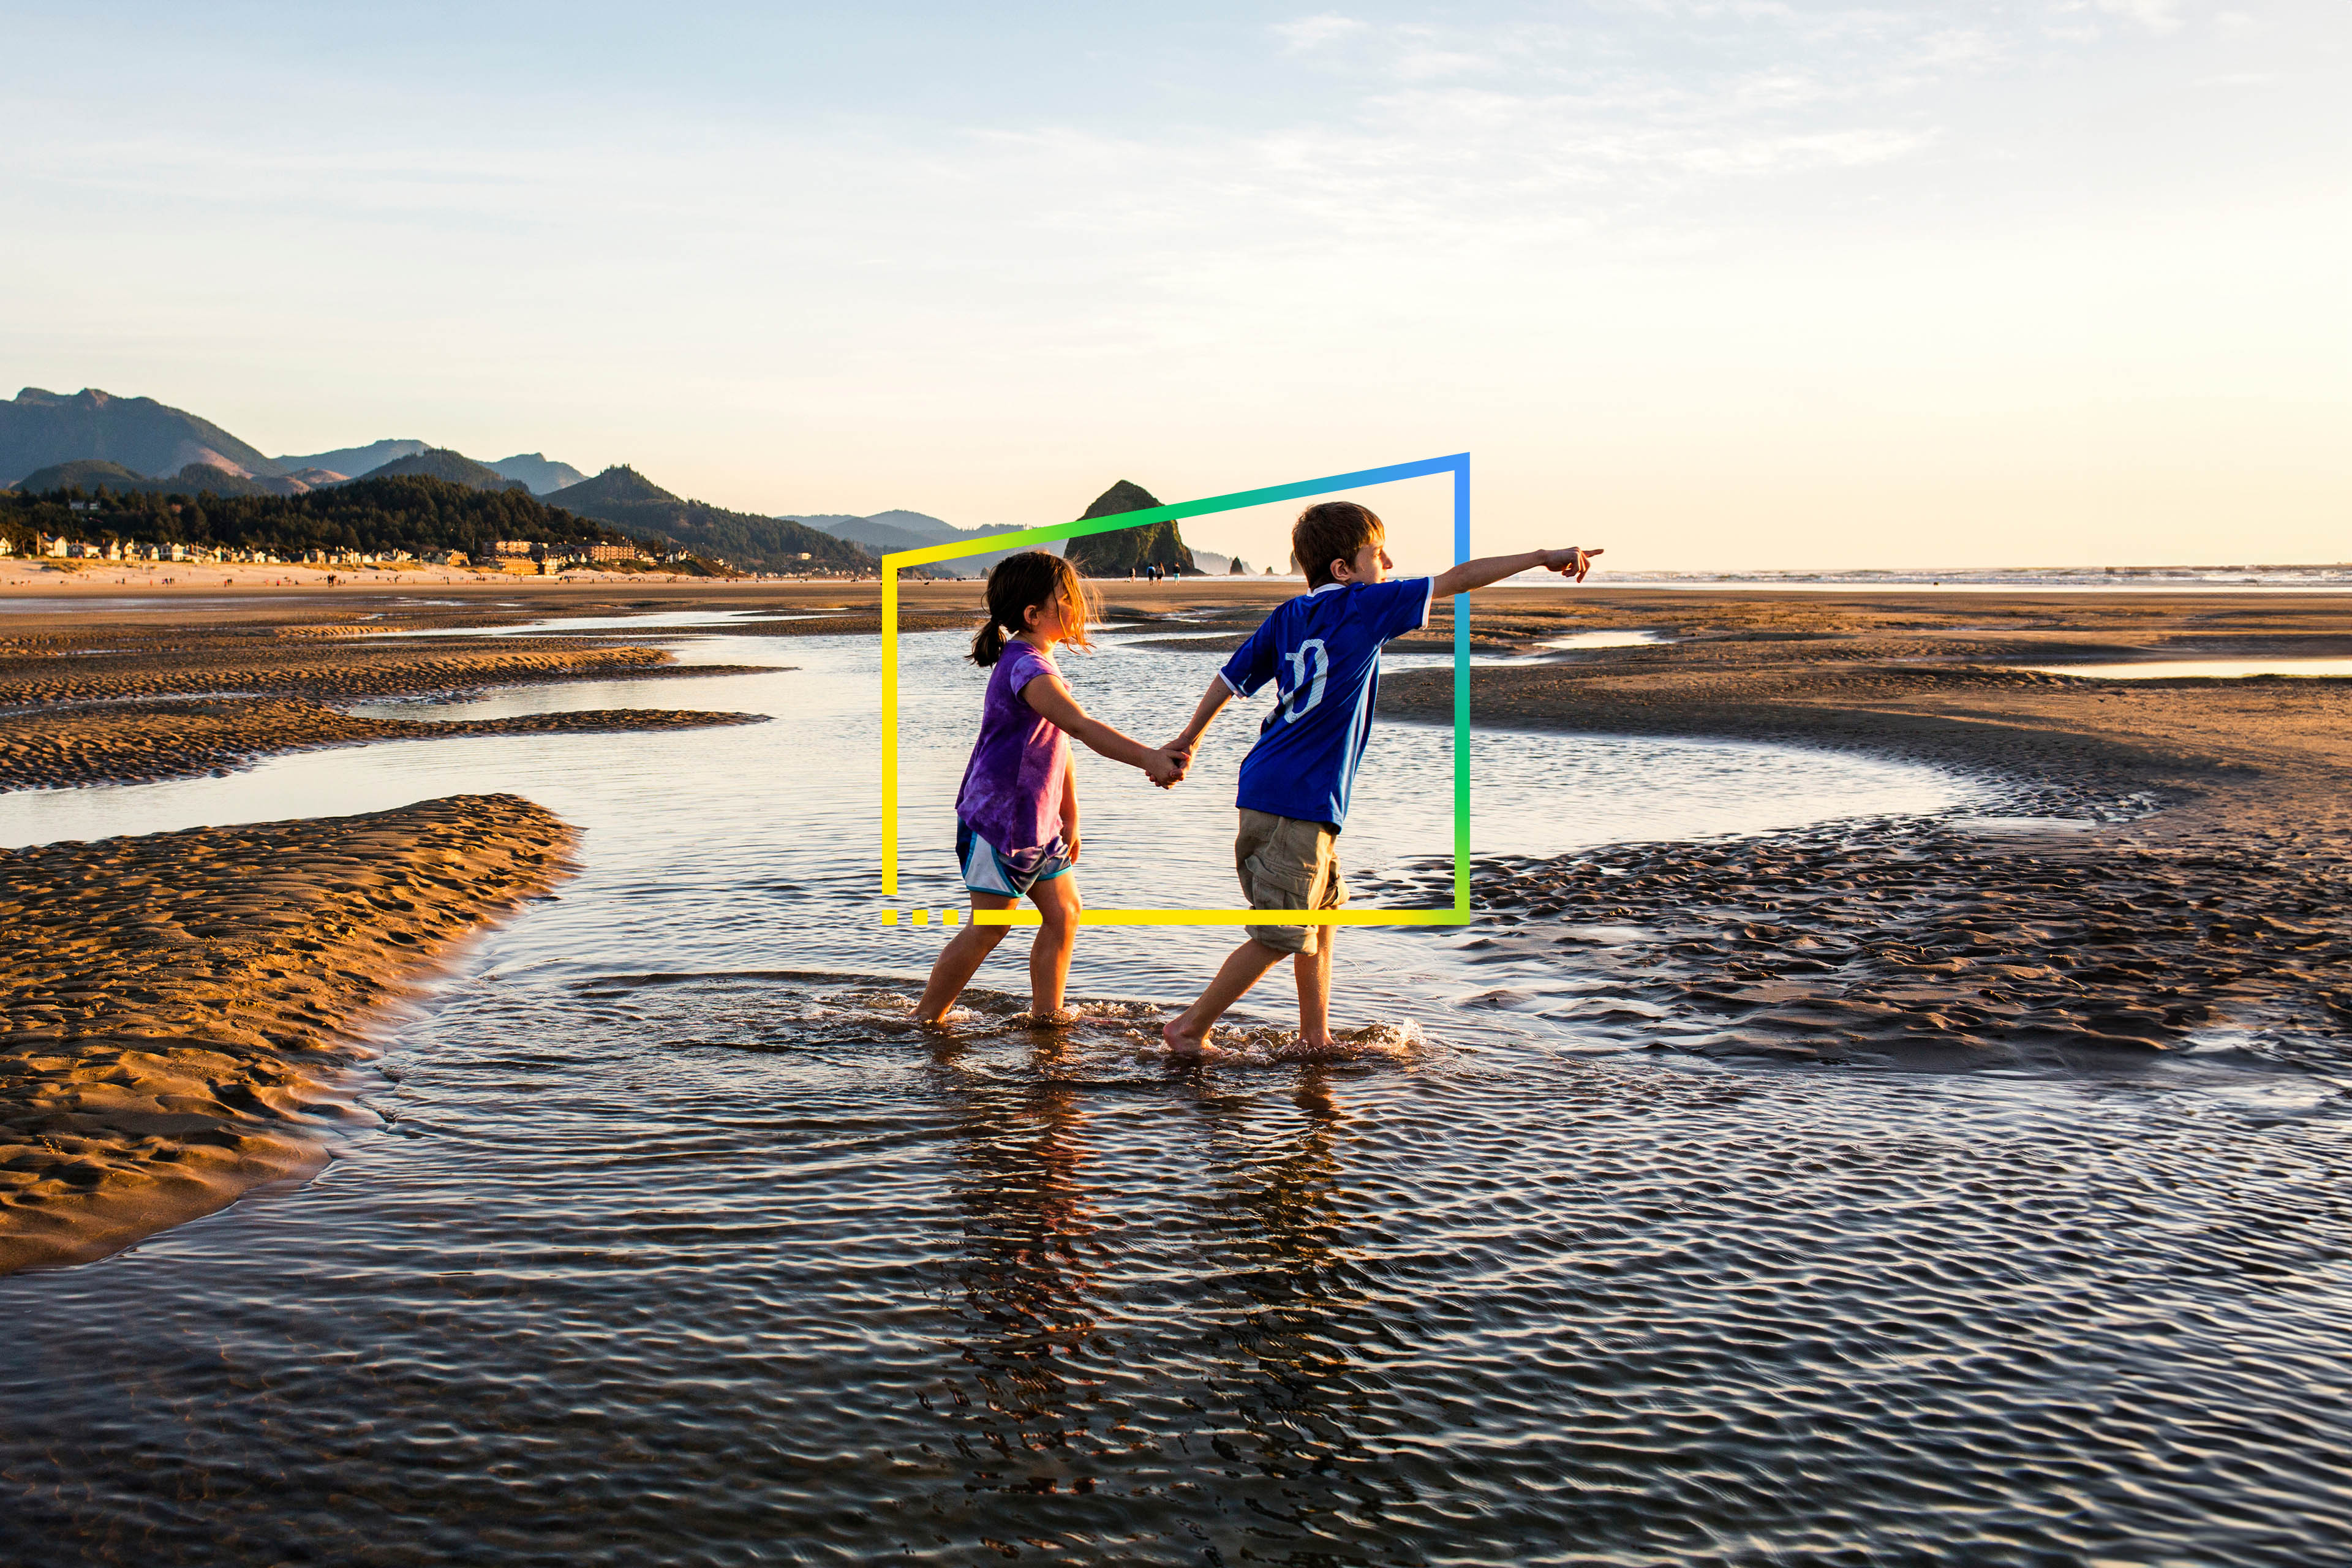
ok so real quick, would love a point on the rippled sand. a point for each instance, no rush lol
(179, 1008)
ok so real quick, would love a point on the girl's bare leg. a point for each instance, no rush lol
(1049, 960)
(961, 959)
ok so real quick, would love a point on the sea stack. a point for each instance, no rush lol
(1128, 549)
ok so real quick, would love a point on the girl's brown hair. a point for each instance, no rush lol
(1023, 583)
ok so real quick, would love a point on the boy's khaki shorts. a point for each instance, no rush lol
(1286, 864)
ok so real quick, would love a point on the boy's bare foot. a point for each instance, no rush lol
(1180, 1043)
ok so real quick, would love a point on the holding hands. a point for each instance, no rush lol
(1166, 767)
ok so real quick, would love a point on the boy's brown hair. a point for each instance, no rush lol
(1333, 530)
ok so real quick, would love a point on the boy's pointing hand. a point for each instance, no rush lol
(1571, 562)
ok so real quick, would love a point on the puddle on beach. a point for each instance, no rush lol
(2199, 668)
(679, 1242)
(651, 621)
(1575, 641)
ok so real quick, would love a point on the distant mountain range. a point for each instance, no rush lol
(628, 500)
(885, 532)
(38, 429)
(533, 469)
(353, 461)
(537, 471)
(147, 440)
(134, 445)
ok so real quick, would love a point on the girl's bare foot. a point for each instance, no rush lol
(1179, 1042)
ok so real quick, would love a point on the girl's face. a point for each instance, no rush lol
(1048, 623)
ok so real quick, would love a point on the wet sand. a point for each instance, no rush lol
(2174, 867)
(108, 696)
(2171, 866)
(141, 743)
(179, 1006)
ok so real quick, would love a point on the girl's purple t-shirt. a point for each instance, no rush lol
(1011, 792)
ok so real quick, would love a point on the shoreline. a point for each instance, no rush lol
(105, 700)
(184, 1006)
(137, 744)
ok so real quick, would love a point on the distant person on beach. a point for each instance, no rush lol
(1322, 651)
(1017, 812)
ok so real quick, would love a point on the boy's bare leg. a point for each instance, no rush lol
(1314, 971)
(1058, 906)
(1244, 967)
(960, 961)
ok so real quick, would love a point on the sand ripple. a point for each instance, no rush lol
(1929, 943)
(177, 1005)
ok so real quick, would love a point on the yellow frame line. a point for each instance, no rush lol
(889, 730)
(1233, 916)
(1459, 914)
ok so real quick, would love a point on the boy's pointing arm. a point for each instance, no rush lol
(1479, 574)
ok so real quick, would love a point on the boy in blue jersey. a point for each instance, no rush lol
(1322, 651)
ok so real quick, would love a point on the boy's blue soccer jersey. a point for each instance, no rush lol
(1322, 651)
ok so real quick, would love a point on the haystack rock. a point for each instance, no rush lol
(1130, 549)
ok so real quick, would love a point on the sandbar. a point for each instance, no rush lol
(182, 1008)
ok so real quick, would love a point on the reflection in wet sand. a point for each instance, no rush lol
(1025, 1279)
(1292, 1382)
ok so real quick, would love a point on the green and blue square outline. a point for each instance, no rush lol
(1458, 465)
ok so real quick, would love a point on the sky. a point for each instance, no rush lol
(1711, 283)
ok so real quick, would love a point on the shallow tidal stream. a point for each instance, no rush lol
(662, 1237)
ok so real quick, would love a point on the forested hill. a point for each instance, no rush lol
(628, 500)
(416, 513)
(94, 474)
(440, 463)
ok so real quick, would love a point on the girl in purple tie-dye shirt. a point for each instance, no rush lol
(1017, 814)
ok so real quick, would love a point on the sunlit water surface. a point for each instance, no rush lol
(2199, 669)
(675, 1243)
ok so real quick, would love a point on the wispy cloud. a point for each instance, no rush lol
(2155, 15)
(1314, 32)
